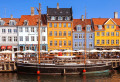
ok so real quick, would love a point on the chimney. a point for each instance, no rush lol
(115, 15)
(82, 17)
(32, 11)
(57, 5)
(11, 17)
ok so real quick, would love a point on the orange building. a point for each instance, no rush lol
(60, 22)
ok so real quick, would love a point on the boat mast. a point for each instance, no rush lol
(39, 24)
(85, 39)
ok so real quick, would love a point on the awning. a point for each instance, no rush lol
(3, 47)
(9, 47)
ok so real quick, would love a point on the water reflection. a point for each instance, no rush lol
(104, 77)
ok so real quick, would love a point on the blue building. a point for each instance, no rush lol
(79, 26)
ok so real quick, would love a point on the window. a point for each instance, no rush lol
(64, 33)
(107, 26)
(20, 29)
(21, 38)
(50, 33)
(60, 43)
(80, 36)
(32, 29)
(2, 22)
(99, 26)
(26, 29)
(64, 24)
(50, 43)
(55, 33)
(117, 33)
(3, 30)
(79, 28)
(11, 22)
(37, 38)
(103, 34)
(69, 24)
(43, 38)
(60, 33)
(67, 18)
(117, 41)
(52, 18)
(69, 33)
(112, 33)
(3, 38)
(15, 38)
(107, 33)
(27, 48)
(98, 33)
(55, 43)
(76, 44)
(69, 43)
(98, 41)
(90, 44)
(33, 48)
(25, 22)
(107, 41)
(112, 41)
(50, 24)
(9, 30)
(80, 44)
(43, 29)
(9, 38)
(88, 28)
(83, 35)
(60, 24)
(65, 43)
(55, 24)
(26, 38)
(32, 38)
(76, 36)
(60, 18)
(90, 36)
(103, 42)
(112, 26)
(15, 30)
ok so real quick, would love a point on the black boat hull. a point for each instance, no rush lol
(60, 69)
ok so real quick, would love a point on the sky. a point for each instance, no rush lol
(94, 8)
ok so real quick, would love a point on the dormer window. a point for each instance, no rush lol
(52, 17)
(99, 26)
(67, 18)
(2, 22)
(79, 28)
(59, 18)
(88, 28)
(25, 22)
(12, 22)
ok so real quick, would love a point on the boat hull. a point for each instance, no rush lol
(60, 69)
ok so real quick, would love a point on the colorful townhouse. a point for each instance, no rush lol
(59, 23)
(79, 26)
(28, 32)
(107, 32)
(8, 34)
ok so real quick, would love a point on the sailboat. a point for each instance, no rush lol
(60, 66)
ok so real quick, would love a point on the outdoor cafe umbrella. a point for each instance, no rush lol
(55, 51)
(6, 52)
(28, 51)
(105, 50)
(67, 51)
(18, 52)
(80, 51)
(94, 50)
(115, 50)
(42, 51)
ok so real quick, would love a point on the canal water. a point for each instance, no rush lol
(105, 77)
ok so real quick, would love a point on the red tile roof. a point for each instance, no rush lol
(6, 20)
(80, 22)
(32, 20)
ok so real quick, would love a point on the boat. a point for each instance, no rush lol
(61, 64)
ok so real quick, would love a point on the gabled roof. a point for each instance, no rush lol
(80, 22)
(6, 21)
(32, 20)
(111, 20)
(59, 12)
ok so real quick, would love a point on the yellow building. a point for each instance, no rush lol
(59, 28)
(107, 33)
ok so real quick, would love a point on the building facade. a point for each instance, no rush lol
(28, 32)
(60, 22)
(79, 26)
(107, 33)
